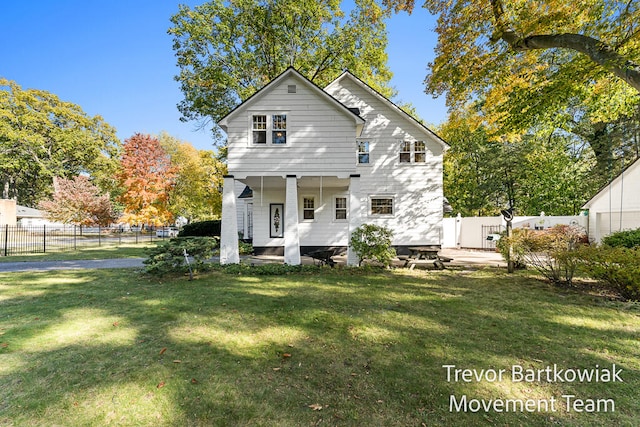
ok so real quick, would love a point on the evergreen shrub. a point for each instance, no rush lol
(168, 257)
(201, 229)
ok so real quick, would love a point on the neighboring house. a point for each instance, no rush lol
(8, 212)
(319, 163)
(616, 207)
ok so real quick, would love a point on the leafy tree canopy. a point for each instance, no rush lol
(147, 177)
(527, 60)
(42, 137)
(545, 171)
(77, 201)
(199, 176)
(227, 50)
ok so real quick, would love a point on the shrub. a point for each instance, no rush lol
(626, 239)
(245, 248)
(373, 242)
(549, 251)
(617, 267)
(201, 229)
(168, 257)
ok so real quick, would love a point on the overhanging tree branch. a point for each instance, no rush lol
(599, 52)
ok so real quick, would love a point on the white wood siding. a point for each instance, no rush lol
(320, 136)
(617, 206)
(323, 230)
(415, 187)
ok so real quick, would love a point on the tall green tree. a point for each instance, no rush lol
(546, 170)
(196, 194)
(529, 61)
(42, 137)
(228, 49)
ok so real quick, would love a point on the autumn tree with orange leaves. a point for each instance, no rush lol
(147, 178)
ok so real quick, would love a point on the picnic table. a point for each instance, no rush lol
(428, 253)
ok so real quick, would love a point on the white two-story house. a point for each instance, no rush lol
(321, 162)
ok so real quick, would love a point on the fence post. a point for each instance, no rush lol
(6, 239)
(99, 236)
(44, 239)
(75, 238)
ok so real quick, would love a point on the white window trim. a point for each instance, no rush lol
(358, 141)
(269, 129)
(412, 152)
(335, 207)
(302, 209)
(382, 196)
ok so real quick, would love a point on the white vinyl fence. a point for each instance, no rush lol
(478, 232)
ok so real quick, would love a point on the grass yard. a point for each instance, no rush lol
(342, 347)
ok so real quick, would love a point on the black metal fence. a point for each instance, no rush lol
(18, 240)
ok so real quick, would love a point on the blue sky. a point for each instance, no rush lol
(114, 59)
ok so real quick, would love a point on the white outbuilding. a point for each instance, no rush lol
(616, 206)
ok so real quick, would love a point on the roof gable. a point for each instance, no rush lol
(629, 170)
(274, 83)
(390, 104)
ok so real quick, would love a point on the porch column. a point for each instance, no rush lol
(291, 237)
(355, 215)
(229, 253)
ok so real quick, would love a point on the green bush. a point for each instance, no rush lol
(168, 257)
(549, 251)
(373, 242)
(617, 267)
(201, 229)
(625, 239)
(245, 248)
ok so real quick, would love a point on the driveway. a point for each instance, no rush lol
(71, 265)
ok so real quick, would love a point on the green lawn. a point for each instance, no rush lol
(342, 347)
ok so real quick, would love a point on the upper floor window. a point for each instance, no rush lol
(279, 129)
(419, 152)
(259, 128)
(413, 151)
(405, 152)
(269, 129)
(363, 152)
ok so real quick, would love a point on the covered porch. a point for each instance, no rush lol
(293, 214)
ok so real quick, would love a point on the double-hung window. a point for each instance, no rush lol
(341, 208)
(363, 152)
(279, 122)
(308, 208)
(405, 152)
(259, 127)
(269, 129)
(419, 152)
